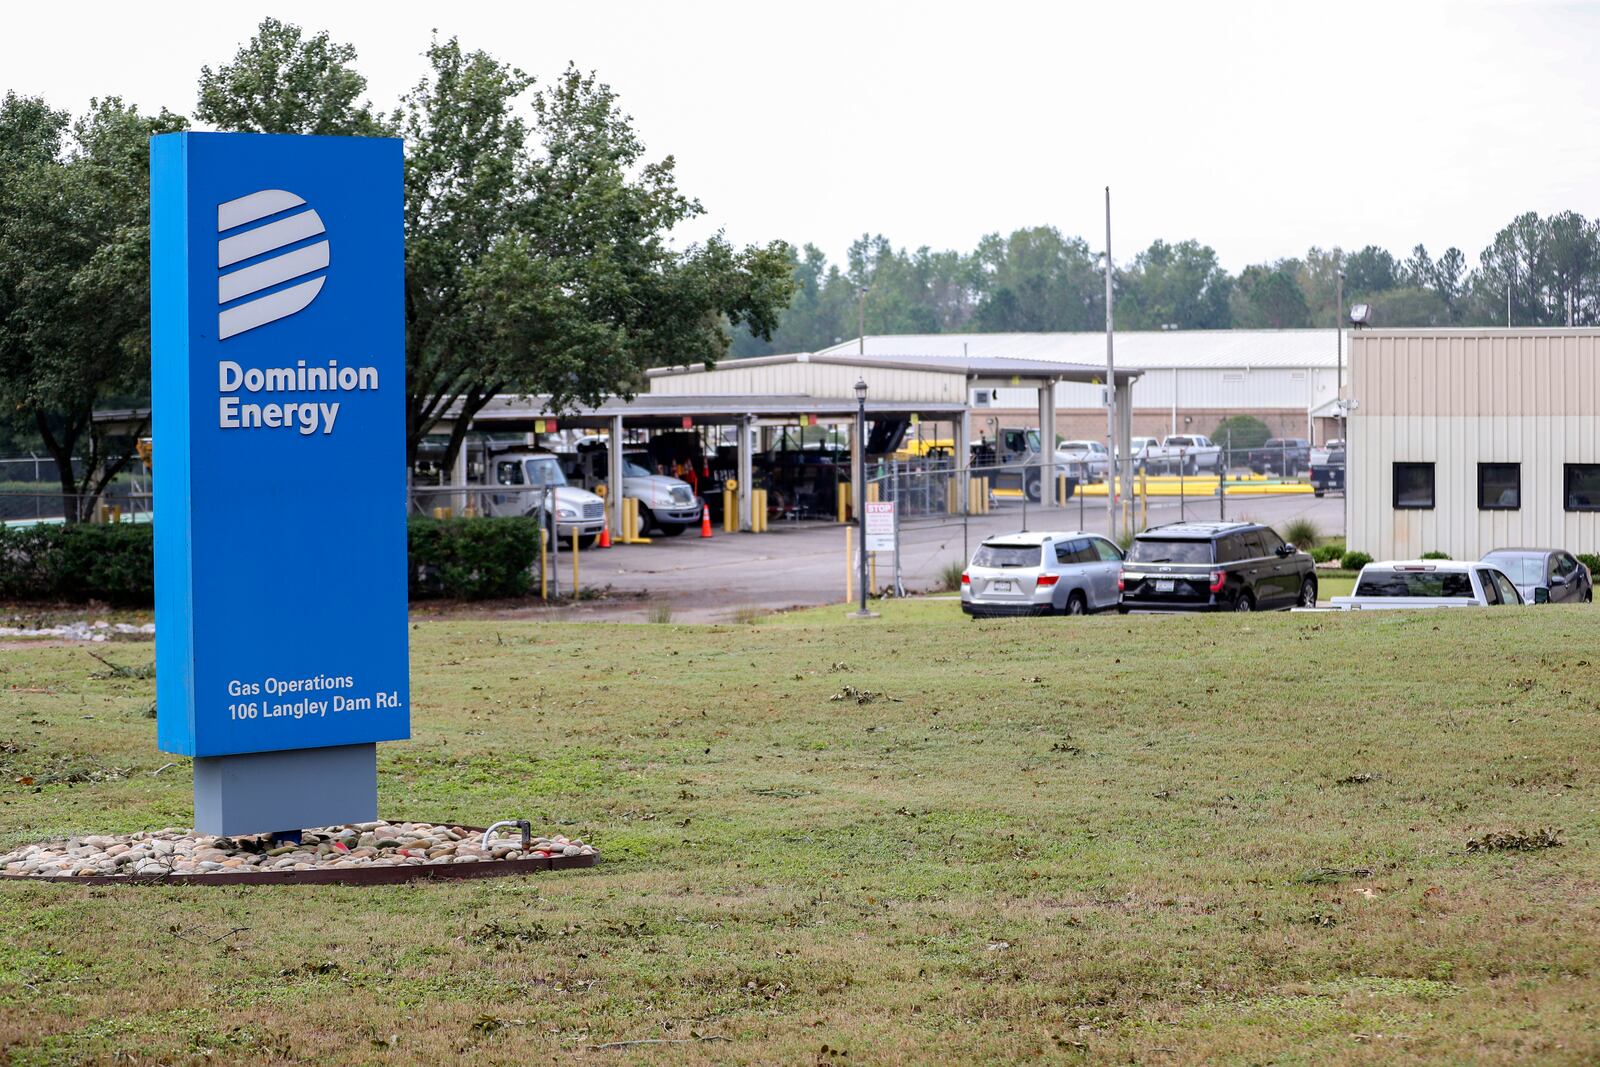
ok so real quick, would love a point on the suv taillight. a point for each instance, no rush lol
(966, 579)
(1217, 578)
(1047, 579)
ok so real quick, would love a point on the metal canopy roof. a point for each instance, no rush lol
(519, 412)
(973, 367)
(1147, 349)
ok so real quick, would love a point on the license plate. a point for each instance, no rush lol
(1163, 585)
(1000, 587)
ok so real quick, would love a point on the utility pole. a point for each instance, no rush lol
(1111, 393)
(861, 320)
(1338, 331)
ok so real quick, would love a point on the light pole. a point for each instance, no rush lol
(1338, 331)
(861, 494)
(861, 329)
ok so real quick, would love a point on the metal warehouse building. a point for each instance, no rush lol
(1192, 379)
(1463, 441)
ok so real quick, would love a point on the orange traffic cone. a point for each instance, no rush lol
(605, 536)
(705, 521)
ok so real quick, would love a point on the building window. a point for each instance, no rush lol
(1582, 488)
(1232, 377)
(1499, 486)
(1413, 486)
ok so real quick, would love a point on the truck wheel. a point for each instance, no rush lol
(672, 529)
(587, 540)
(1035, 490)
(646, 521)
(1244, 603)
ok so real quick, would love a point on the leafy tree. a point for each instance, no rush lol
(285, 82)
(1268, 297)
(74, 279)
(536, 236)
(1178, 285)
(1037, 279)
(1369, 272)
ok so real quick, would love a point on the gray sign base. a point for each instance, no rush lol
(260, 792)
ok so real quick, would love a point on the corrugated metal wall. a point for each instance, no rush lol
(1457, 399)
(825, 380)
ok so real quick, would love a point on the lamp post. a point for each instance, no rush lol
(861, 495)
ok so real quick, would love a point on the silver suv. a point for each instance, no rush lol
(1041, 574)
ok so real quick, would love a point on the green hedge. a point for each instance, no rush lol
(473, 559)
(1354, 561)
(114, 563)
(470, 559)
(1590, 560)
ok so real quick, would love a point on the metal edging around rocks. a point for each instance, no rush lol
(385, 875)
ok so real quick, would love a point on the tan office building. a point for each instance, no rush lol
(1463, 441)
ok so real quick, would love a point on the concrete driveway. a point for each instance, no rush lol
(802, 565)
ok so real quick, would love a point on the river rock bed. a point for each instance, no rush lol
(157, 853)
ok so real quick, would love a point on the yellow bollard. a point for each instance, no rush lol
(730, 506)
(849, 571)
(575, 563)
(844, 501)
(1144, 499)
(952, 498)
(544, 564)
(441, 513)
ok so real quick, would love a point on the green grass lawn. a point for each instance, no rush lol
(1160, 840)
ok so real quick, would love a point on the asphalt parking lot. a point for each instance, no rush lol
(803, 565)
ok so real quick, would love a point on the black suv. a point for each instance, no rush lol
(1229, 566)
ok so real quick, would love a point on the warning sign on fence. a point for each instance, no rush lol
(880, 526)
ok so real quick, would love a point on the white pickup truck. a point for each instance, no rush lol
(1429, 583)
(1185, 453)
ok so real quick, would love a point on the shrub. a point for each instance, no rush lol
(467, 558)
(950, 576)
(1590, 560)
(1435, 555)
(1301, 532)
(1354, 561)
(1327, 553)
(472, 558)
(79, 561)
(1247, 432)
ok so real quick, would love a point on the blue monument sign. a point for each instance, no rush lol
(279, 424)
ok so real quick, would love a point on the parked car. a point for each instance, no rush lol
(1089, 457)
(1545, 575)
(666, 505)
(1235, 566)
(1286, 456)
(523, 474)
(1184, 453)
(1429, 583)
(1041, 574)
(1327, 472)
(1139, 448)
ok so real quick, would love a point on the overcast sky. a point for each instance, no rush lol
(1258, 128)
